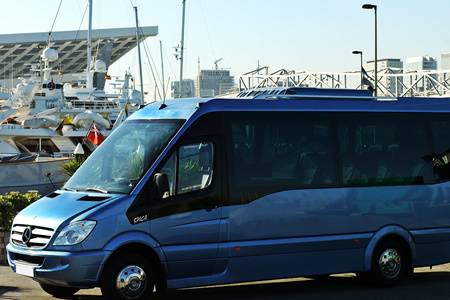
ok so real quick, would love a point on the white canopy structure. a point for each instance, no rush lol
(18, 51)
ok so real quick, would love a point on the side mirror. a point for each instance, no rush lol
(162, 185)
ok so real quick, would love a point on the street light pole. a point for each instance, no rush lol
(182, 49)
(360, 53)
(374, 7)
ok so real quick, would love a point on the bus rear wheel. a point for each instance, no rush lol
(128, 277)
(390, 264)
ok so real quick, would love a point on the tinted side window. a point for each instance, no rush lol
(384, 150)
(279, 151)
(440, 159)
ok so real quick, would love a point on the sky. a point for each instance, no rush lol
(302, 35)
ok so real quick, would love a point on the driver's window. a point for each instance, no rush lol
(170, 170)
(193, 165)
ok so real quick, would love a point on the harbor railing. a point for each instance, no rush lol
(391, 82)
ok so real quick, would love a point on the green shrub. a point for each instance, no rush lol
(72, 165)
(11, 203)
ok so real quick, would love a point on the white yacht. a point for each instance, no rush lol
(51, 118)
(51, 100)
(32, 159)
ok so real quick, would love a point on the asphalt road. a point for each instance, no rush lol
(426, 284)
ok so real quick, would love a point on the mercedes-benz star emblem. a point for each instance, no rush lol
(26, 235)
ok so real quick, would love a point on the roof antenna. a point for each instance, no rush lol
(163, 105)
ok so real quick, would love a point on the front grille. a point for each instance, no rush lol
(40, 236)
(28, 259)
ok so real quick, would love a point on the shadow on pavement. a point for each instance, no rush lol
(422, 286)
(430, 285)
(7, 289)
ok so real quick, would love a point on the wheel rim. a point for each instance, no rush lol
(131, 282)
(390, 263)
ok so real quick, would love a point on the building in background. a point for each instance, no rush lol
(211, 83)
(420, 63)
(387, 84)
(188, 89)
(385, 63)
(445, 61)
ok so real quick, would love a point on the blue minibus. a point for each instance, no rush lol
(202, 192)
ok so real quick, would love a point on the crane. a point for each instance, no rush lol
(216, 62)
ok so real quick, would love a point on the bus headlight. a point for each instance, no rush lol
(74, 233)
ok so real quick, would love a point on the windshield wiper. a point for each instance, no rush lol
(96, 190)
(69, 189)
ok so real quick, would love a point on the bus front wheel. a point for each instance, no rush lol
(128, 277)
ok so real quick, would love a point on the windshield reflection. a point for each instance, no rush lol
(118, 164)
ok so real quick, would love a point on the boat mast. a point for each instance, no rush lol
(89, 83)
(138, 42)
(182, 50)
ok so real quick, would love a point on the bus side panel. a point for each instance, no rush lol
(423, 210)
(290, 265)
(432, 246)
(278, 266)
(274, 225)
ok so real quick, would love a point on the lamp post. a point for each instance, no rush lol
(374, 7)
(360, 53)
(182, 49)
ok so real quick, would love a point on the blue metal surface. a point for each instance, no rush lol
(189, 241)
(185, 108)
(402, 105)
(66, 268)
(176, 109)
(285, 234)
(52, 212)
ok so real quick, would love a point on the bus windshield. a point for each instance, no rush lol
(118, 164)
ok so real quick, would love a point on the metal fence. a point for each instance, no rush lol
(390, 83)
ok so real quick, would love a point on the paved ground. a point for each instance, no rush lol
(426, 284)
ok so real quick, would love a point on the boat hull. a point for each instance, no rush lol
(33, 176)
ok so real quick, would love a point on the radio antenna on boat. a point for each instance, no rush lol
(89, 82)
(138, 42)
(53, 24)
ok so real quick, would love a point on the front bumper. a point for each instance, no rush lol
(74, 269)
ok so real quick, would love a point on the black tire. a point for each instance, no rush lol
(363, 276)
(137, 266)
(59, 291)
(391, 263)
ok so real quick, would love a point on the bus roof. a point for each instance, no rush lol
(185, 108)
